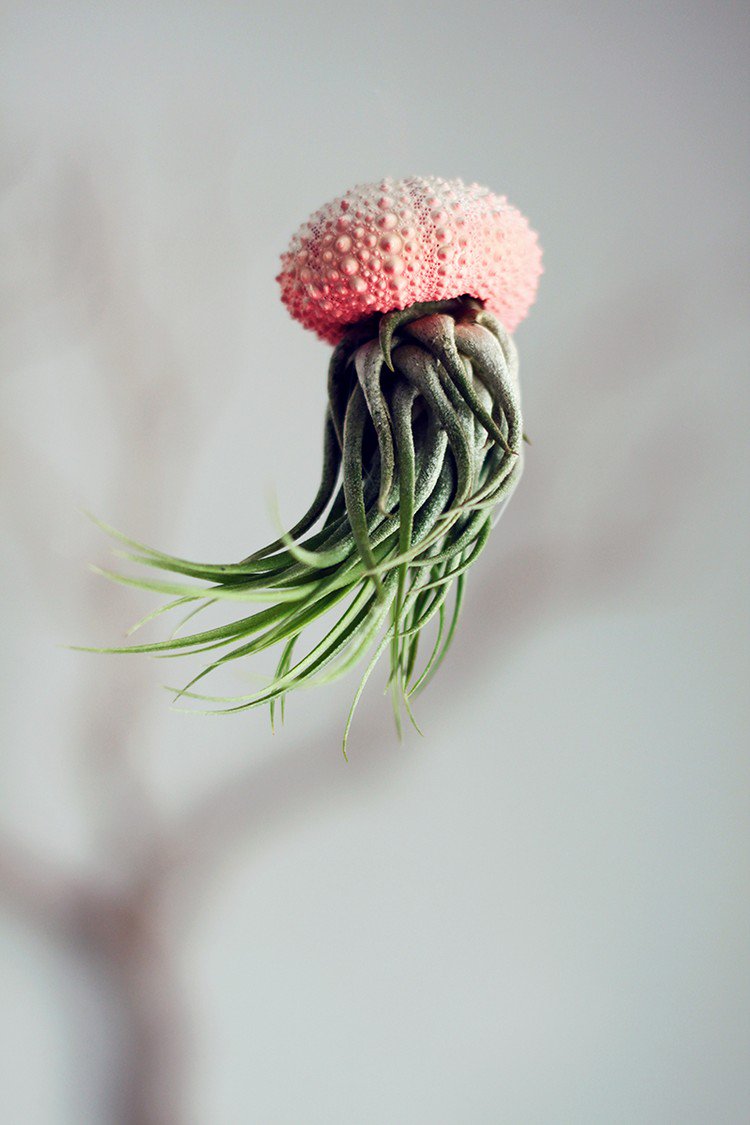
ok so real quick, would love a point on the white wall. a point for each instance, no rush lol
(539, 914)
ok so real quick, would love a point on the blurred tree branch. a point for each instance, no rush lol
(131, 922)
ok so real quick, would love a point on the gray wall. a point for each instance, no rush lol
(538, 914)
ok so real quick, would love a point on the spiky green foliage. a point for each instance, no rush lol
(422, 444)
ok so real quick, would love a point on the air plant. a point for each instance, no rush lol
(418, 283)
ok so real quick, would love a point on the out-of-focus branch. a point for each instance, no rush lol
(48, 896)
(130, 924)
(121, 926)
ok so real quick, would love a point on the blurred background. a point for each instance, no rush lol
(539, 913)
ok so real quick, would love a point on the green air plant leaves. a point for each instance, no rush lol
(422, 444)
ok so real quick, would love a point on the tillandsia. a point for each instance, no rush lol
(418, 283)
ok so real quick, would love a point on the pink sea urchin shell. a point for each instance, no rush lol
(388, 245)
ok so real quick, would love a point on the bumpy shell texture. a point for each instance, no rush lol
(391, 244)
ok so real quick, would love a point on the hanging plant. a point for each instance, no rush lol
(418, 283)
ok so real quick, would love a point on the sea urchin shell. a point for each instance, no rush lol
(395, 243)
